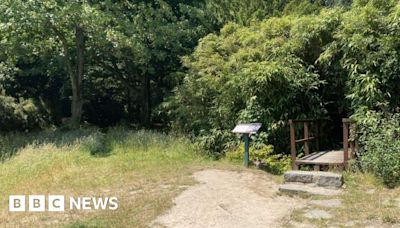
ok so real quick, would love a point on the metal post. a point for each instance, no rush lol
(246, 149)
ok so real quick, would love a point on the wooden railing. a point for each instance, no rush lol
(348, 125)
(307, 138)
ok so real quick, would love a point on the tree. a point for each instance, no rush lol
(57, 27)
(144, 50)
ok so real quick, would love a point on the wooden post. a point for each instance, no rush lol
(293, 145)
(345, 141)
(306, 147)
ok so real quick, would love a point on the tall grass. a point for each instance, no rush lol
(11, 143)
(91, 162)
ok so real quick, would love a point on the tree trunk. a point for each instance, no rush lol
(76, 79)
(146, 101)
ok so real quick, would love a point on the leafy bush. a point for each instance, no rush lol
(273, 163)
(260, 73)
(366, 49)
(380, 140)
(215, 142)
(19, 114)
(97, 144)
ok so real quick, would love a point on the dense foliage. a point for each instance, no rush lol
(106, 61)
(262, 73)
(380, 141)
(200, 67)
(22, 114)
(366, 47)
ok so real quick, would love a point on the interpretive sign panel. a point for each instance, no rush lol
(249, 128)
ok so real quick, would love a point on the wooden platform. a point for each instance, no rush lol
(330, 157)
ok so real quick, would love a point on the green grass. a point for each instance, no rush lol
(145, 170)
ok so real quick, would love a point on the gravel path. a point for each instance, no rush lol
(230, 199)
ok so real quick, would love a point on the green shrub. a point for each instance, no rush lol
(19, 114)
(273, 163)
(97, 144)
(215, 142)
(259, 73)
(366, 50)
(380, 140)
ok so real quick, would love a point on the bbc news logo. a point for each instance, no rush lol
(57, 203)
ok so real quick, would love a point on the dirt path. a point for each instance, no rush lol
(230, 199)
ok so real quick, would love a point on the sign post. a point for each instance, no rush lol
(246, 139)
(246, 130)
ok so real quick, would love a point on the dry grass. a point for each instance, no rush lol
(144, 170)
(365, 202)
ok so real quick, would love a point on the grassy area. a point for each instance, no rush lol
(145, 170)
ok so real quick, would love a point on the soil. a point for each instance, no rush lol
(230, 199)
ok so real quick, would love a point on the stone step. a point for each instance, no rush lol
(301, 188)
(321, 179)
